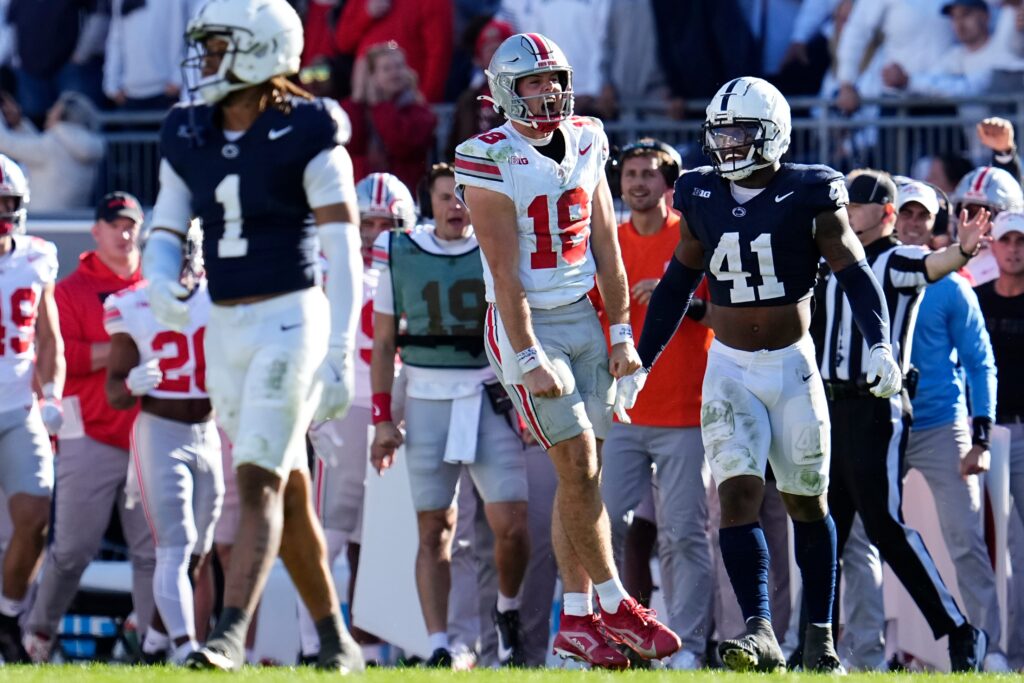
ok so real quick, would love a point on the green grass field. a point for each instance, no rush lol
(102, 674)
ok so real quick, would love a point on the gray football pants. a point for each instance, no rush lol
(90, 481)
(682, 515)
(1015, 621)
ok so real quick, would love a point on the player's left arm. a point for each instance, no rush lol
(974, 347)
(844, 254)
(611, 281)
(50, 366)
(330, 191)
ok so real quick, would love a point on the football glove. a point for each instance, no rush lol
(338, 375)
(166, 299)
(53, 415)
(626, 390)
(144, 378)
(883, 367)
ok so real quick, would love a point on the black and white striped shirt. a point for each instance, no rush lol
(842, 351)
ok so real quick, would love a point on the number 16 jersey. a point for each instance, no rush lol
(552, 201)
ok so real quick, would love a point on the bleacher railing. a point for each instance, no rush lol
(885, 133)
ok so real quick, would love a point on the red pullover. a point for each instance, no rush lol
(80, 299)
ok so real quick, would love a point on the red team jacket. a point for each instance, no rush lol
(80, 305)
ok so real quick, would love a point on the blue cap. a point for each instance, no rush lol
(976, 4)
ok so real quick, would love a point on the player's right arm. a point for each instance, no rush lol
(387, 438)
(495, 223)
(50, 365)
(124, 356)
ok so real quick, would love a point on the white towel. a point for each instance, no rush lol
(460, 449)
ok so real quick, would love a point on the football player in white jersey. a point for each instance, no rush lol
(175, 468)
(543, 212)
(261, 163)
(29, 331)
(340, 471)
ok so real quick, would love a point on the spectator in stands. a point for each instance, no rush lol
(563, 21)
(63, 159)
(142, 70)
(392, 125)
(319, 24)
(913, 34)
(964, 69)
(793, 54)
(630, 72)
(93, 466)
(472, 115)
(712, 34)
(422, 28)
(945, 171)
(59, 46)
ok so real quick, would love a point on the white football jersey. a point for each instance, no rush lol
(553, 204)
(25, 270)
(364, 340)
(182, 359)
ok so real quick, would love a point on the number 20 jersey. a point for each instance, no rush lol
(553, 204)
(761, 252)
(25, 270)
(180, 354)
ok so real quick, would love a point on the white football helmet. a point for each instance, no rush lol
(525, 54)
(382, 195)
(746, 127)
(12, 184)
(264, 40)
(991, 187)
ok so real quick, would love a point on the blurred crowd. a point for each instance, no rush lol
(389, 61)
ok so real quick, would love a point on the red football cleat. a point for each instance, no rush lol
(635, 626)
(583, 639)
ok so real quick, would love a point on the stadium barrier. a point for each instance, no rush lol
(886, 133)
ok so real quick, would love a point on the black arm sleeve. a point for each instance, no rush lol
(669, 302)
(1011, 165)
(867, 301)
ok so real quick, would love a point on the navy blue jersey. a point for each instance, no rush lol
(761, 252)
(258, 234)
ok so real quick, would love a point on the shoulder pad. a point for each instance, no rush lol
(580, 121)
(322, 118)
(820, 173)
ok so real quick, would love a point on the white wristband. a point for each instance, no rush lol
(50, 391)
(529, 358)
(620, 333)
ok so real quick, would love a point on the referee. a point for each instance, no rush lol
(869, 434)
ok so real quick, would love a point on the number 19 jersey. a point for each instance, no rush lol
(552, 200)
(25, 270)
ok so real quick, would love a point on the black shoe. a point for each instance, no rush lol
(11, 648)
(307, 660)
(510, 651)
(756, 650)
(967, 648)
(819, 654)
(155, 658)
(440, 659)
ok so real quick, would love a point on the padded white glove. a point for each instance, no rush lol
(53, 415)
(166, 299)
(144, 378)
(883, 367)
(626, 390)
(338, 375)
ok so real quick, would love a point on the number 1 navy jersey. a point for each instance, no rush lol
(251, 193)
(761, 252)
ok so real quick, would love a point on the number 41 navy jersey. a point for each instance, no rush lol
(761, 252)
(250, 195)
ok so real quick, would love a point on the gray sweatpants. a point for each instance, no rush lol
(862, 644)
(1015, 622)
(681, 510)
(90, 481)
(936, 453)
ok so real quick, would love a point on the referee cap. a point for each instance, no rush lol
(872, 187)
